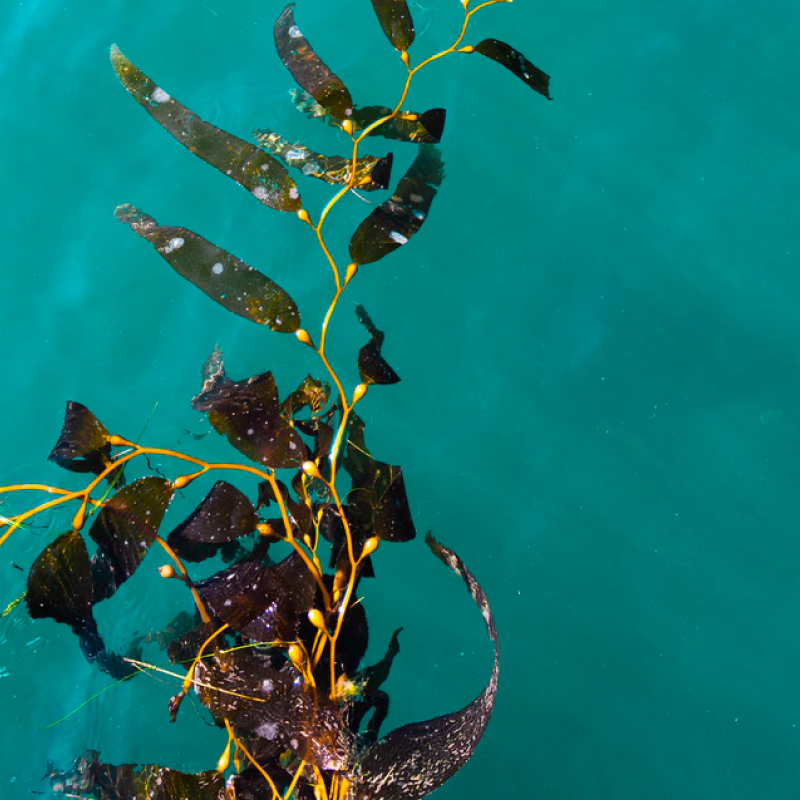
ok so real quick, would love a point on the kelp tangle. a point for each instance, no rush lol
(271, 648)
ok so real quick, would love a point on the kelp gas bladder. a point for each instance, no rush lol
(273, 650)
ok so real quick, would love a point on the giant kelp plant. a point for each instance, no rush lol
(272, 650)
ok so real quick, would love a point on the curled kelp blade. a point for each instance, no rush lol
(414, 760)
(395, 19)
(262, 603)
(124, 530)
(372, 366)
(371, 172)
(311, 393)
(83, 444)
(307, 67)
(224, 515)
(396, 220)
(223, 277)
(505, 55)
(262, 175)
(249, 415)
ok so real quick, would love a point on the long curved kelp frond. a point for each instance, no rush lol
(262, 175)
(223, 277)
(416, 759)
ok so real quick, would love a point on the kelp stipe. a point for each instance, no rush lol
(272, 650)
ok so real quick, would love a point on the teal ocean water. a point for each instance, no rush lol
(597, 333)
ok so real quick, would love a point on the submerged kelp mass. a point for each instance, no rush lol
(273, 650)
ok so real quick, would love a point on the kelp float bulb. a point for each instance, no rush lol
(167, 571)
(295, 654)
(79, 518)
(339, 582)
(265, 529)
(350, 273)
(312, 470)
(316, 619)
(339, 579)
(303, 215)
(225, 759)
(182, 481)
(347, 127)
(370, 546)
(359, 392)
(406, 60)
(304, 337)
(466, 49)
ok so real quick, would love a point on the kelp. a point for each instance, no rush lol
(271, 643)
(371, 172)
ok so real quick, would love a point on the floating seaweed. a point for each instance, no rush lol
(272, 649)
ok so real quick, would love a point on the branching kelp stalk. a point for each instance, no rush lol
(273, 650)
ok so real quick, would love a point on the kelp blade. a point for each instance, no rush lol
(262, 603)
(248, 414)
(223, 277)
(505, 55)
(392, 520)
(395, 19)
(108, 782)
(377, 503)
(60, 587)
(263, 176)
(307, 67)
(407, 126)
(311, 393)
(83, 444)
(60, 582)
(124, 530)
(396, 220)
(372, 172)
(414, 760)
(372, 366)
(224, 515)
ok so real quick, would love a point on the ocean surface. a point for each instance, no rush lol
(597, 331)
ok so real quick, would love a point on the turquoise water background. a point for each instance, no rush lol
(597, 332)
